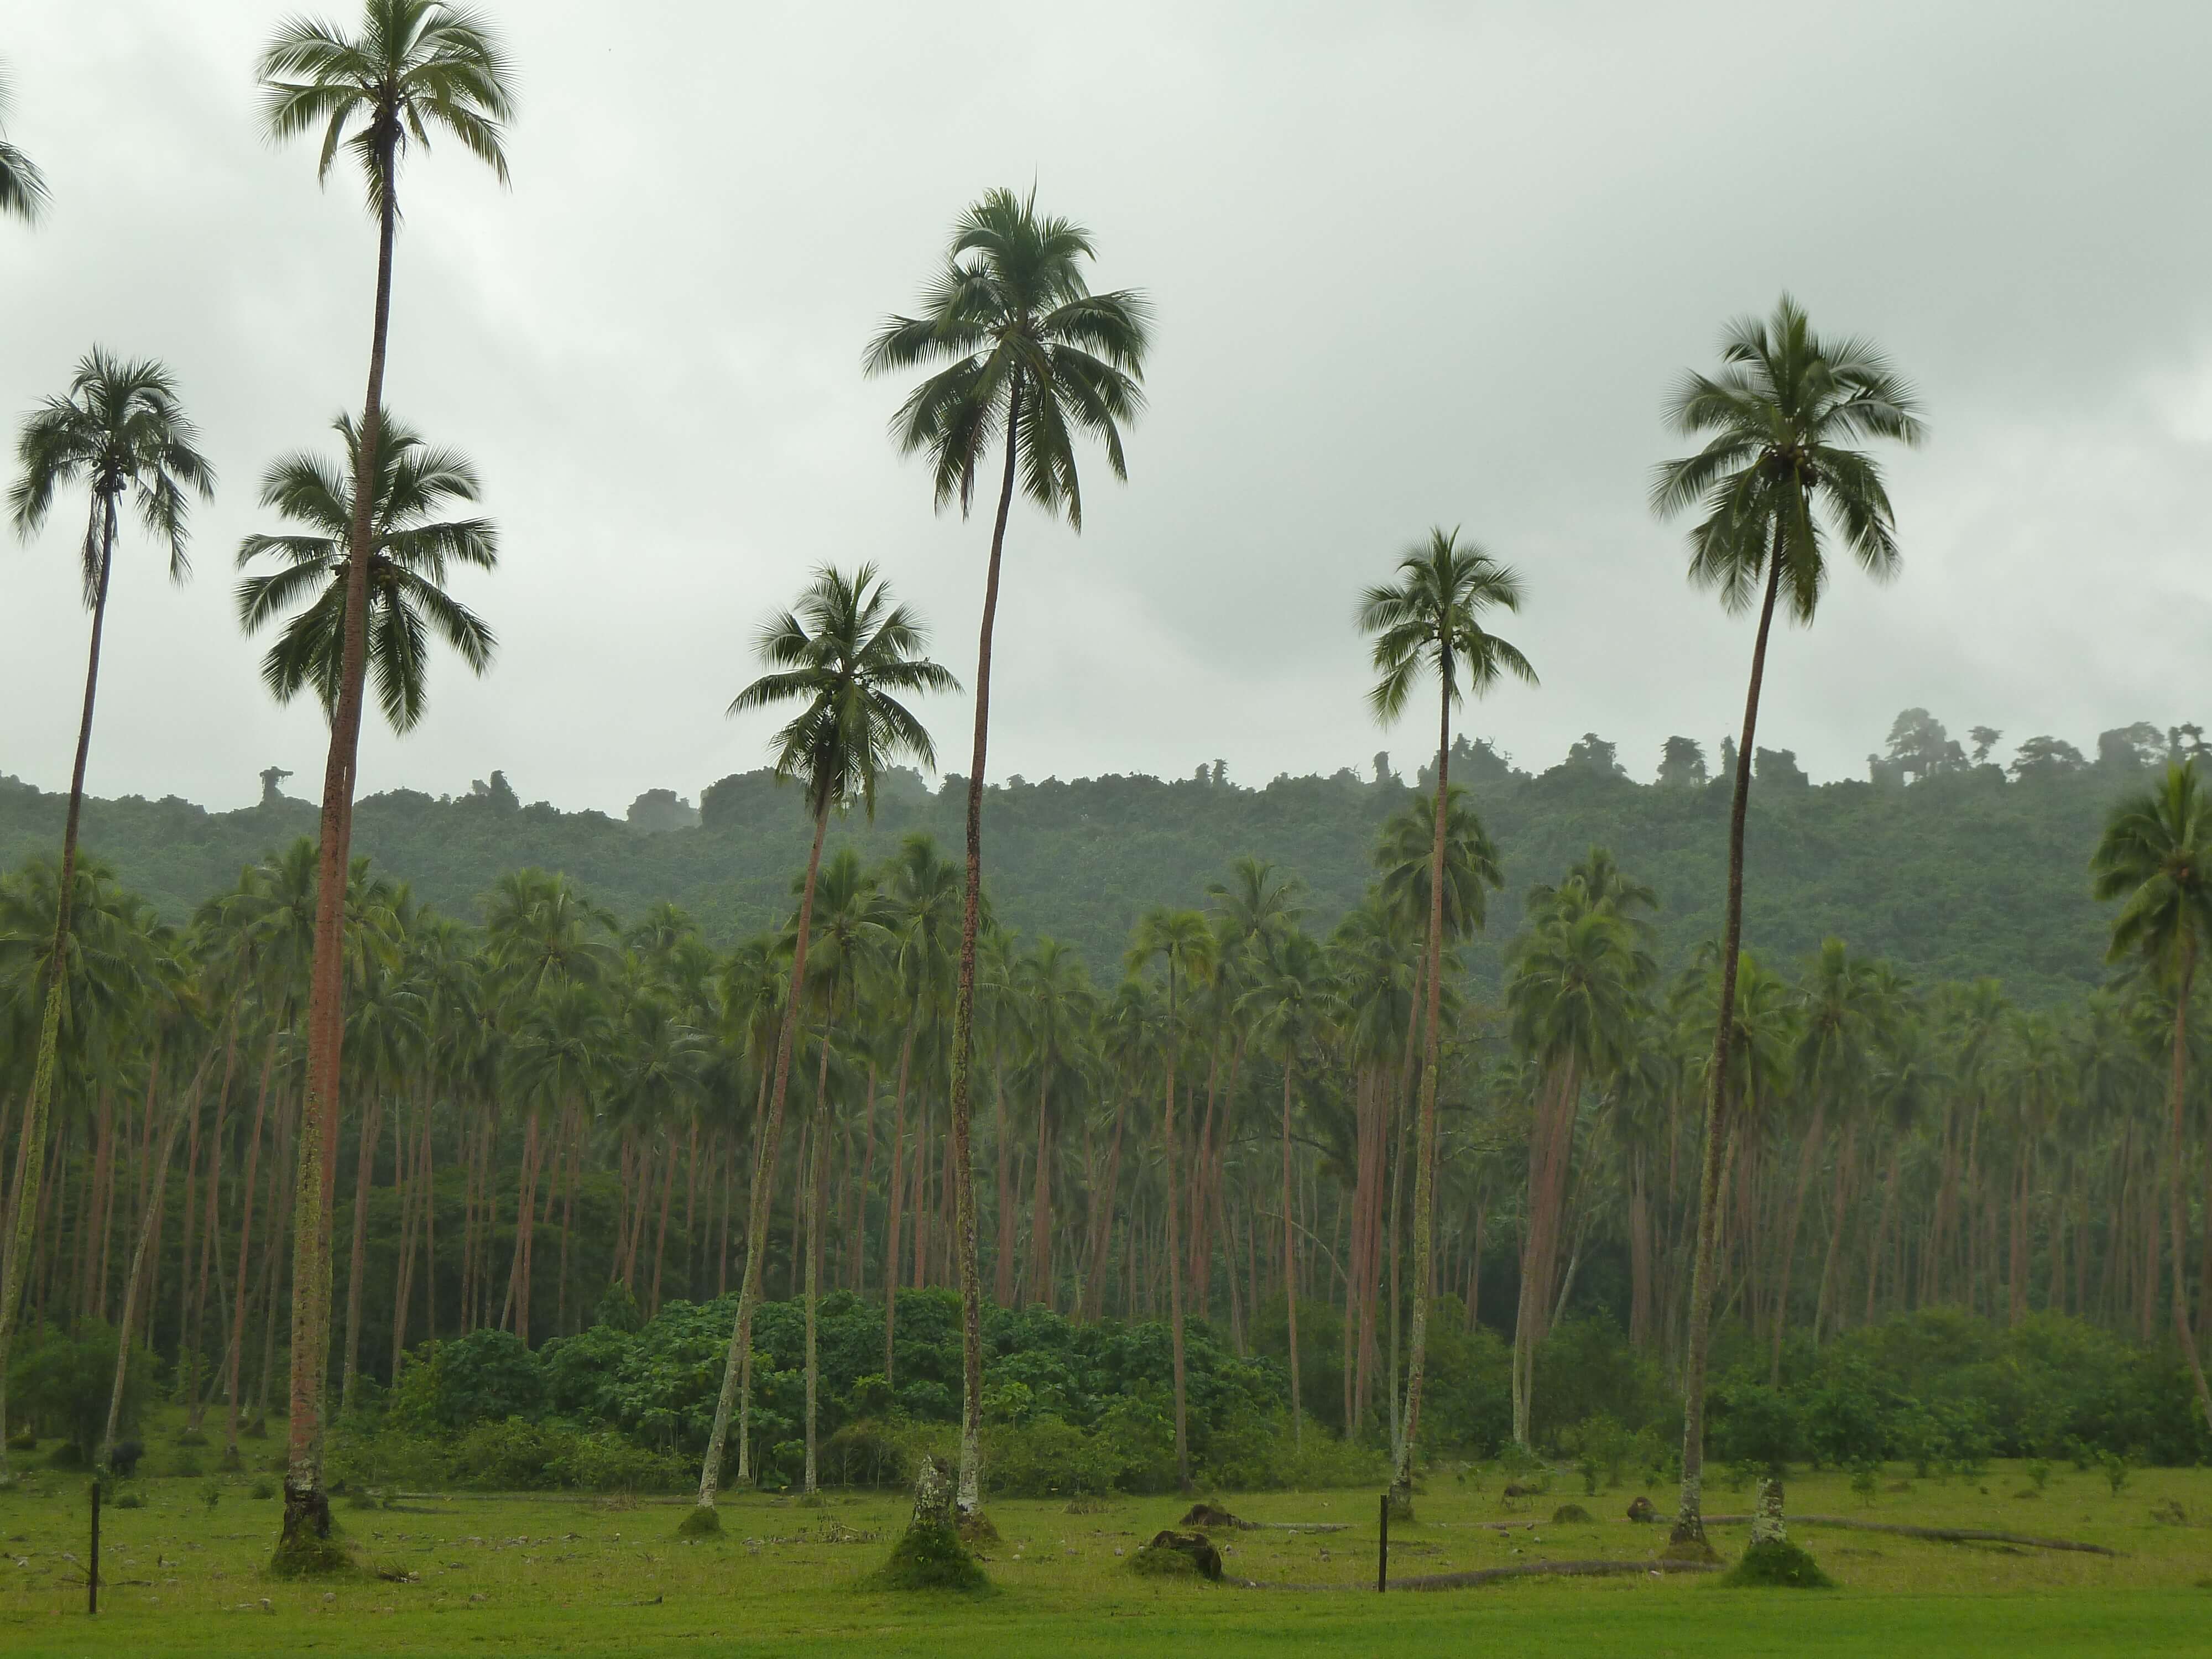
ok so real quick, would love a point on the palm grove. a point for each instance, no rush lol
(1384, 1219)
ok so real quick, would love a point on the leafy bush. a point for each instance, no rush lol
(61, 1379)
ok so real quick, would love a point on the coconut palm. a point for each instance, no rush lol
(1777, 483)
(1576, 1001)
(1032, 357)
(119, 430)
(1185, 947)
(1431, 621)
(1289, 1003)
(22, 186)
(416, 67)
(2157, 857)
(847, 655)
(412, 550)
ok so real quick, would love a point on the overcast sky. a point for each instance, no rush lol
(1412, 263)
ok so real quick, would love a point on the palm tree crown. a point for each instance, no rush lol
(1778, 420)
(1431, 618)
(845, 652)
(1026, 344)
(418, 66)
(411, 550)
(22, 186)
(120, 429)
(2156, 854)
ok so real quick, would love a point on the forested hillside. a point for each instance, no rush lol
(1962, 872)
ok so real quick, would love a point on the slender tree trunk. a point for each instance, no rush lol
(1290, 1274)
(150, 1232)
(1807, 1155)
(364, 1169)
(1689, 1529)
(816, 1179)
(38, 1109)
(1424, 1177)
(1102, 1223)
(307, 1509)
(963, 1017)
(756, 1215)
(1041, 1209)
(897, 1193)
(1172, 1255)
(2182, 1331)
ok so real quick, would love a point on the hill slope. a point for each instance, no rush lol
(1962, 874)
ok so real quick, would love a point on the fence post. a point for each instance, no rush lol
(1382, 1549)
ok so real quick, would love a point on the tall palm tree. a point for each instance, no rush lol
(1289, 1003)
(1777, 480)
(2156, 856)
(22, 186)
(1431, 621)
(846, 654)
(417, 66)
(118, 431)
(1185, 948)
(412, 552)
(1033, 356)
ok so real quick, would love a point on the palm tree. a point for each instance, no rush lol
(416, 66)
(1032, 356)
(1575, 1000)
(411, 551)
(119, 430)
(846, 654)
(22, 186)
(2156, 855)
(1290, 1002)
(1186, 949)
(1431, 620)
(1776, 481)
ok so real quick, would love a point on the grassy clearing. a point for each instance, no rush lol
(535, 1575)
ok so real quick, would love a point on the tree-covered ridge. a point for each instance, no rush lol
(1962, 873)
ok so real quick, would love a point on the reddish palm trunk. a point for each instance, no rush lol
(757, 1216)
(898, 1196)
(307, 1509)
(1689, 1521)
(963, 1015)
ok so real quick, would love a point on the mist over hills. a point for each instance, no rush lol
(1944, 862)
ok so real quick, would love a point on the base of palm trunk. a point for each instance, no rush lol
(930, 1555)
(310, 1545)
(702, 1521)
(975, 1527)
(1690, 1544)
(1776, 1563)
(1401, 1496)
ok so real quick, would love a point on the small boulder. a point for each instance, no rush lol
(1570, 1515)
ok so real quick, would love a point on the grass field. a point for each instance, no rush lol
(485, 1574)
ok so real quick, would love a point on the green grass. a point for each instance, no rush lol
(539, 1575)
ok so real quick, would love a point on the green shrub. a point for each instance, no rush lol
(607, 1462)
(1046, 1457)
(931, 1557)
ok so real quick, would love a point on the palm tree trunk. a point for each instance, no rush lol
(307, 1509)
(816, 1179)
(1041, 1209)
(1289, 1273)
(1806, 1154)
(964, 1013)
(1102, 1226)
(364, 1167)
(38, 1109)
(1425, 1175)
(150, 1232)
(897, 1193)
(232, 1398)
(771, 1141)
(1172, 1255)
(2182, 1329)
(1689, 1530)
